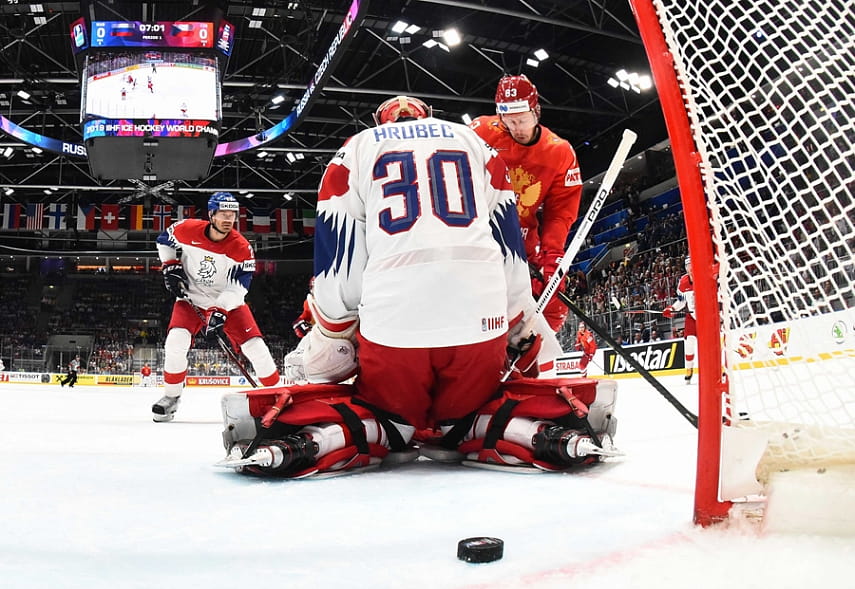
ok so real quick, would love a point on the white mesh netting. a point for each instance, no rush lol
(769, 88)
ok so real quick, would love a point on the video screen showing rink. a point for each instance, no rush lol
(151, 85)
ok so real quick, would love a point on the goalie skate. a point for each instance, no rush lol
(587, 447)
(235, 459)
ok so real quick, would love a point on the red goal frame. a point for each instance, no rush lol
(712, 384)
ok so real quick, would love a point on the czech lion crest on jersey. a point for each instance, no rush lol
(207, 269)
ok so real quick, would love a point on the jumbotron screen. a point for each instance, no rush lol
(150, 85)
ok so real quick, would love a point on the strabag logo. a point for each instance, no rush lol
(650, 357)
(568, 365)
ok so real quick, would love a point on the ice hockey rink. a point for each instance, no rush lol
(171, 91)
(96, 495)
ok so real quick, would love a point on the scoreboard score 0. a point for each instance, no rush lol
(183, 34)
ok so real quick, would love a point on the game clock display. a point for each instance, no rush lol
(185, 35)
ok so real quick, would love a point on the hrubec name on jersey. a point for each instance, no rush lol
(413, 131)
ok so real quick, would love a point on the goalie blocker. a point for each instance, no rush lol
(531, 425)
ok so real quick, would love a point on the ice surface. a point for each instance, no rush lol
(94, 494)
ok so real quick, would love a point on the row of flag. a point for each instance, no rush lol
(112, 217)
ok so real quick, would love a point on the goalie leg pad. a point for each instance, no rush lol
(504, 431)
(347, 435)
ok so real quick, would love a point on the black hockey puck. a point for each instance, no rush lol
(480, 549)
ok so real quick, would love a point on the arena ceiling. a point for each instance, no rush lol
(278, 48)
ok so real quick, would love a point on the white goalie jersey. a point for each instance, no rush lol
(421, 207)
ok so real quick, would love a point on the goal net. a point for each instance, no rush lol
(759, 98)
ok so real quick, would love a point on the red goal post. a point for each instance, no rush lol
(758, 101)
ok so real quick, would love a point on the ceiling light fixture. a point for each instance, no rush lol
(452, 37)
(630, 81)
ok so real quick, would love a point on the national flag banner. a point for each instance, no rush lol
(11, 216)
(121, 29)
(285, 221)
(135, 217)
(243, 224)
(309, 221)
(261, 221)
(35, 215)
(181, 29)
(86, 217)
(109, 217)
(162, 216)
(56, 216)
(186, 212)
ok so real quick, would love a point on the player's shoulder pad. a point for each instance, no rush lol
(553, 140)
(238, 248)
(187, 229)
(489, 123)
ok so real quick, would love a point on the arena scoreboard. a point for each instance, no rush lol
(151, 96)
(196, 35)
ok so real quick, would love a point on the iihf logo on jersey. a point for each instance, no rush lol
(207, 270)
(492, 323)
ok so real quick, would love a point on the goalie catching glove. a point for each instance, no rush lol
(523, 347)
(174, 278)
(326, 354)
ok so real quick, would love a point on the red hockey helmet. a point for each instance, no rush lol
(516, 94)
(401, 107)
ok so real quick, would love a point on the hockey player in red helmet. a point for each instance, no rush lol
(544, 173)
(401, 108)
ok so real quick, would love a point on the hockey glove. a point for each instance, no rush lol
(174, 278)
(301, 327)
(216, 323)
(524, 346)
(668, 313)
(320, 359)
(548, 263)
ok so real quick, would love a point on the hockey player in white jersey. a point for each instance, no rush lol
(208, 265)
(420, 265)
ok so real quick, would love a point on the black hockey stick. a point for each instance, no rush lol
(225, 347)
(600, 331)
